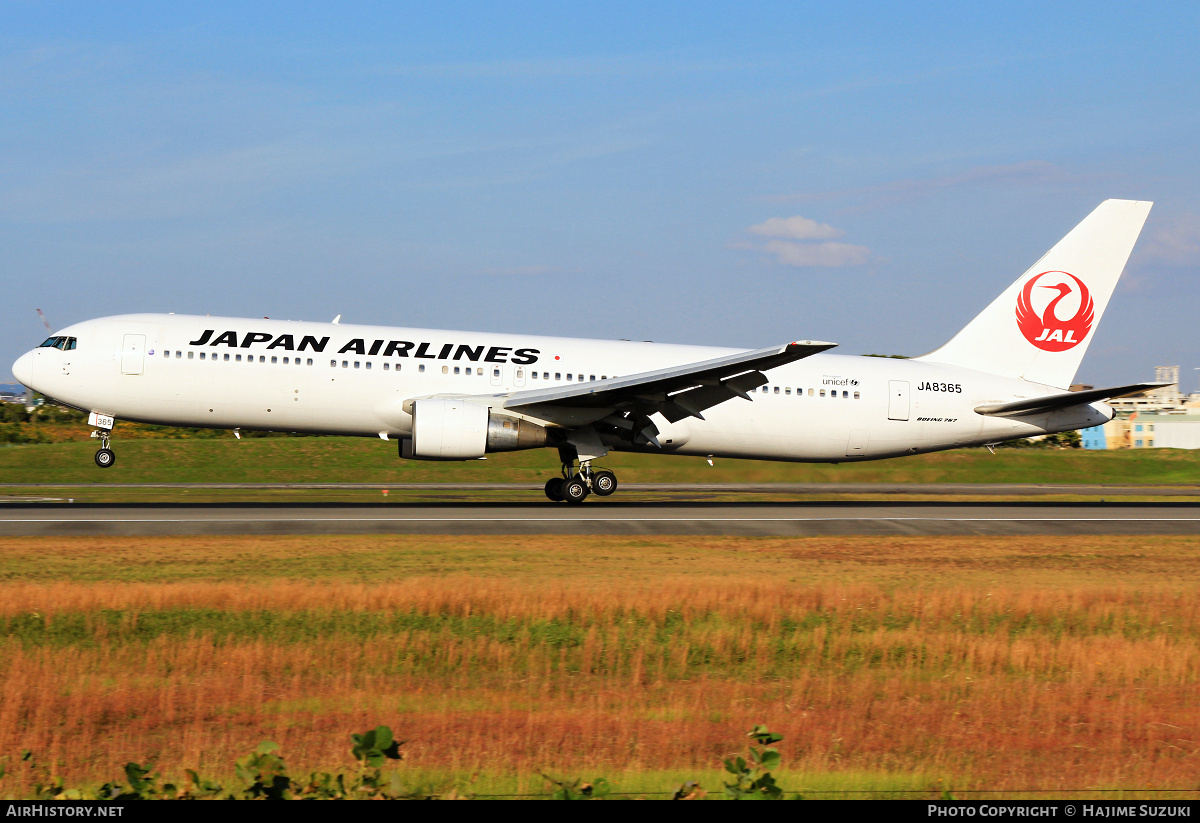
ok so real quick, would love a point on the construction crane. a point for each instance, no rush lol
(45, 322)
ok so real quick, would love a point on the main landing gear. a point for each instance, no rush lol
(574, 486)
(105, 457)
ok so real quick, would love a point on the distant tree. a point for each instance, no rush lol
(1062, 440)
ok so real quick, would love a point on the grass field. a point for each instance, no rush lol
(887, 663)
(361, 460)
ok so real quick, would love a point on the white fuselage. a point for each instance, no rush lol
(324, 378)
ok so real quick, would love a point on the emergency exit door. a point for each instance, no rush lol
(133, 354)
(897, 400)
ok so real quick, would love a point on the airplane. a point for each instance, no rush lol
(457, 395)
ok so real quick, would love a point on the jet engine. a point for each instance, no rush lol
(460, 430)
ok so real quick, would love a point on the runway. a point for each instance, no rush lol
(885, 489)
(607, 517)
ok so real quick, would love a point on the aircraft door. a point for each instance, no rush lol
(519, 377)
(495, 375)
(133, 354)
(897, 400)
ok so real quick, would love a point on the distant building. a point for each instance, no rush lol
(1093, 438)
(1163, 418)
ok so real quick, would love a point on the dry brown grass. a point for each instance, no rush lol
(1056, 663)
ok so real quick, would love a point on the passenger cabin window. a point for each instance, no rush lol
(333, 364)
(274, 359)
(856, 395)
(236, 357)
(387, 366)
(445, 369)
(201, 355)
(421, 368)
(190, 355)
(226, 358)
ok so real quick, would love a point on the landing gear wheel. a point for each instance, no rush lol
(554, 489)
(604, 483)
(105, 458)
(574, 490)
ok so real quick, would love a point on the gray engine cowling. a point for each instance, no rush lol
(461, 430)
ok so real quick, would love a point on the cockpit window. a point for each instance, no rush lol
(51, 342)
(62, 343)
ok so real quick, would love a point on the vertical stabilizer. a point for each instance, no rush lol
(1041, 326)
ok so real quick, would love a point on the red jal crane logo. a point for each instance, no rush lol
(1049, 331)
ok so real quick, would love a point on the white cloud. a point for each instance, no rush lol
(1176, 242)
(795, 228)
(828, 254)
(787, 251)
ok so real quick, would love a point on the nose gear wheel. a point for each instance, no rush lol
(105, 457)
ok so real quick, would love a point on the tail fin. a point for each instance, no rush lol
(1040, 327)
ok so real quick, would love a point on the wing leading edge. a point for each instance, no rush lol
(676, 392)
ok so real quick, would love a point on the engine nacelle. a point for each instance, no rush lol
(460, 430)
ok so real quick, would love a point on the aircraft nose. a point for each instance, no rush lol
(23, 369)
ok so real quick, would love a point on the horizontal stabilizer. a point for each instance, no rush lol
(1053, 402)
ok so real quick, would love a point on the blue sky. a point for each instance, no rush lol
(597, 170)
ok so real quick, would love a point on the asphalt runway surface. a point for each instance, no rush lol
(960, 489)
(612, 516)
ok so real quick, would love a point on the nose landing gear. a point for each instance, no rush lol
(574, 486)
(105, 457)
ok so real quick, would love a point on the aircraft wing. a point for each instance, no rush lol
(1053, 402)
(677, 392)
